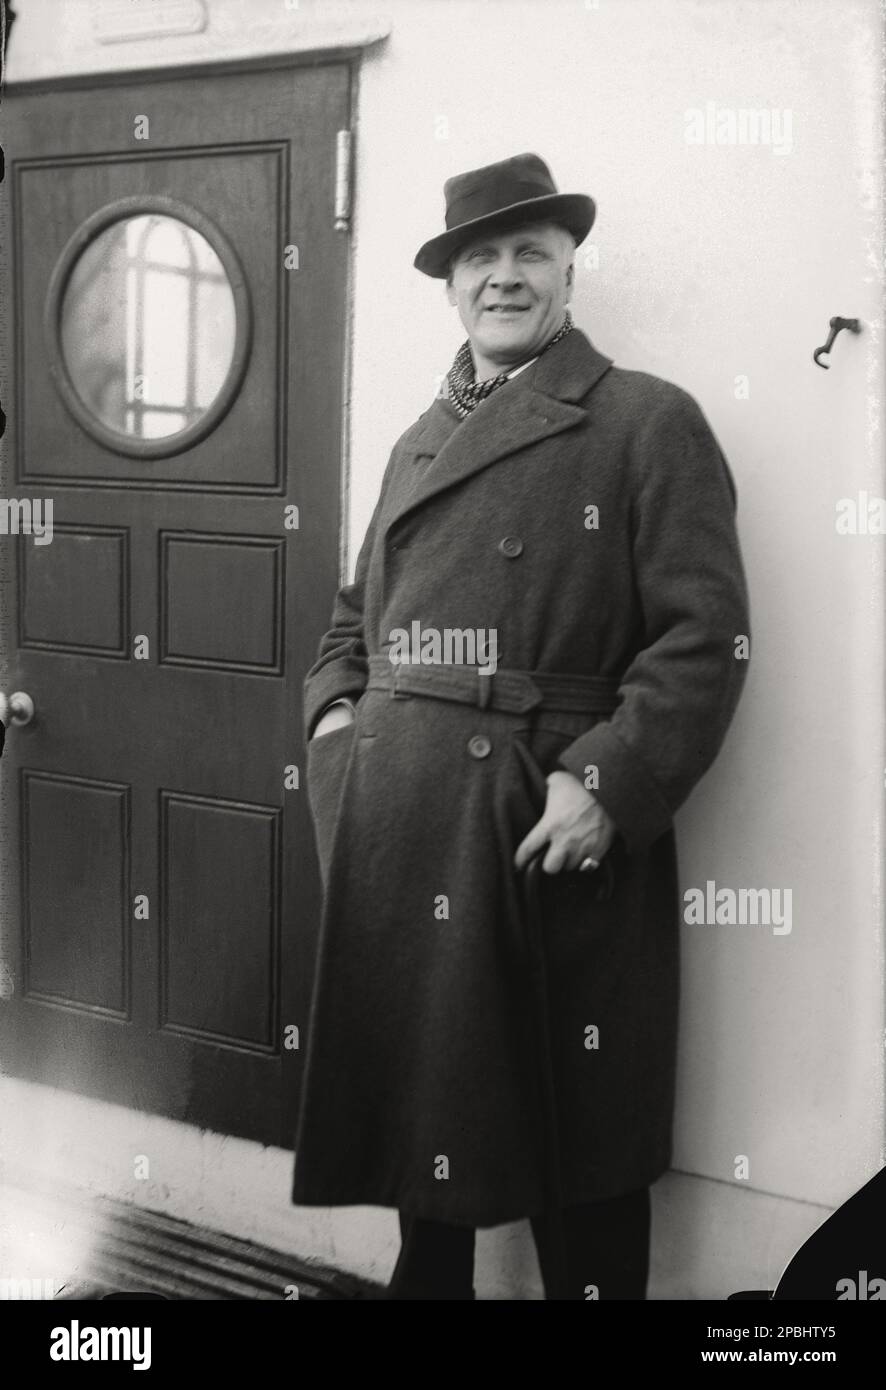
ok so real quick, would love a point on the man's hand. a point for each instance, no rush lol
(335, 717)
(574, 825)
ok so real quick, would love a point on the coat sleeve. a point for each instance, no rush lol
(682, 684)
(341, 668)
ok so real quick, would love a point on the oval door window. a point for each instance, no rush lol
(149, 327)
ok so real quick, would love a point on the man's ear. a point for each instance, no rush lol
(450, 290)
(570, 280)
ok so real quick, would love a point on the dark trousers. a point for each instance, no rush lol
(606, 1245)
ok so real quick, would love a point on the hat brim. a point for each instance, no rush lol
(574, 211)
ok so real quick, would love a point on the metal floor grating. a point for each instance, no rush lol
(113, 1246)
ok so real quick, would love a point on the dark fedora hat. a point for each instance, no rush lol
(498, 197)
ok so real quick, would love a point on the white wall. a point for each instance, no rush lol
(714, 261)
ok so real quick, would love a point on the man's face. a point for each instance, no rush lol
(511, 290)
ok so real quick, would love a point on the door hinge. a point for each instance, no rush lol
(342, 181)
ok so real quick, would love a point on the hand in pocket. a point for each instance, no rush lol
(338, 716)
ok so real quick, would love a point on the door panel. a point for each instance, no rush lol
(164, 891)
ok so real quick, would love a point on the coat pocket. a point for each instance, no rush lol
(328, 759)
(534, 779)
(541, 743)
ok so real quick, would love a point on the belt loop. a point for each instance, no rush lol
(395, 683)
(484, 688)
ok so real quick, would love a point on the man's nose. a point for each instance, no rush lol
(506, 271)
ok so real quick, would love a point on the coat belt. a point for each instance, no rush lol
(513, 692)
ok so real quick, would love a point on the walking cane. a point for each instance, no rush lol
(554, 1275)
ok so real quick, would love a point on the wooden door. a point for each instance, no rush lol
(173, 317)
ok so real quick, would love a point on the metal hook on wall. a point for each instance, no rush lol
(836, 325)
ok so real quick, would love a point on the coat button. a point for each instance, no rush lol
(511, 546)
(479, 746)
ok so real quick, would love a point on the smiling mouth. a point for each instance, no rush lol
(504, 310)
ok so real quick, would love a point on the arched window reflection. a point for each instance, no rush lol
(148, 326)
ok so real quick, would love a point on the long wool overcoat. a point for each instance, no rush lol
(420, 1085)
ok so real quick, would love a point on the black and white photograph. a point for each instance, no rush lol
(442, 663)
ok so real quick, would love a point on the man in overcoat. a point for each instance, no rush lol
(538, 658)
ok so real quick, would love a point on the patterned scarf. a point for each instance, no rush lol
(465, 393)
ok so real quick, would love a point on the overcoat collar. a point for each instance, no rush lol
(539, 402)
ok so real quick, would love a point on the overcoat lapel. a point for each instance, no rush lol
(535, 405)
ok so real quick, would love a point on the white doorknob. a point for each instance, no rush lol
(17, 709)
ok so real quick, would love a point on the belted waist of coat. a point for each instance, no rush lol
(514, 692)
